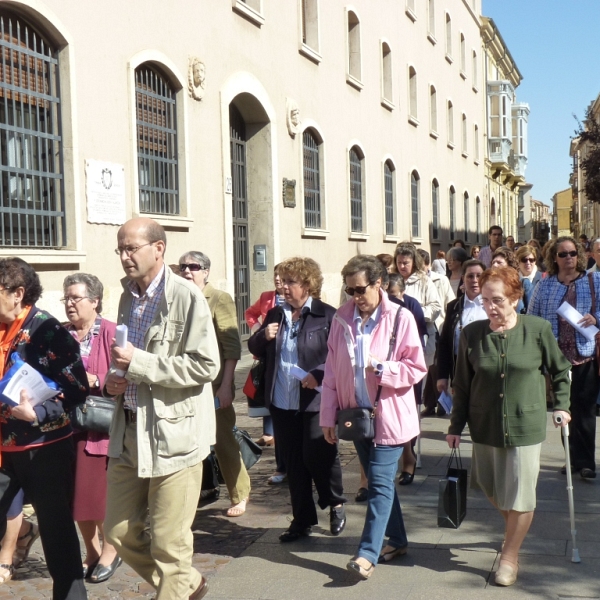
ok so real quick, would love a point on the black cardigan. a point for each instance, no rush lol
(312, 349)
(445, 349)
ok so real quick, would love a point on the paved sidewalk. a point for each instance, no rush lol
(243, 559)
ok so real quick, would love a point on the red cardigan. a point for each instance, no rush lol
(260, 308)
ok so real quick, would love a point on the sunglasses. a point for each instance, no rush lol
(572, 254)
(191, 267)
(528, 260)
(359, 289)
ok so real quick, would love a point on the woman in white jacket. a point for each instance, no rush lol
(409, 264)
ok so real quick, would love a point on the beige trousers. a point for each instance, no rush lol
(161, 555)
(228, 454)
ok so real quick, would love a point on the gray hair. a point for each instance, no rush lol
(202, 259)
(93, 286)
(371, 266)
(459, 254)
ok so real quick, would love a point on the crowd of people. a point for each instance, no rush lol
(483, 325)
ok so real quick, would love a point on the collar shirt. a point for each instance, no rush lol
(485, 256)
(472, 311)
(362, 352)
(287, 388)
(143, 310)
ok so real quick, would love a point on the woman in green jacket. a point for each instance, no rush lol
(500, 391)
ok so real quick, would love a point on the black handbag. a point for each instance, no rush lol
(95, 414)
(356, 424)
(452, 498)
(249, 449)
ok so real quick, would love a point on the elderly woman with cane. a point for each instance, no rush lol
(375, 358)
(500, 391)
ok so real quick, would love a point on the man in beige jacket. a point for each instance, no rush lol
(164, 423)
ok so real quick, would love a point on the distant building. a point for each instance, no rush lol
(562, 203)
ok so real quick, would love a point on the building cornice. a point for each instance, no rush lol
(494, 43)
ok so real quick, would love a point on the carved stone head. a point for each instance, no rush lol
(292, 117)
(196, 78)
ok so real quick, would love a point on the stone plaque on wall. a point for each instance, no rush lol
(289, 193)
(105, 192)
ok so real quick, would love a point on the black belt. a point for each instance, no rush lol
(130, 416)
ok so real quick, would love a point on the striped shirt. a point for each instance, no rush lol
(143, 311)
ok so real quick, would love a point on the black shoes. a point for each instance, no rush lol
(362, 495)
(587, 473)
(428, 412)
(337, 519)
(406, 478)
(211, 494)
(294, 533)
(102, 573)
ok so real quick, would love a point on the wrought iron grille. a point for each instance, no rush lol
(414, 201)
(389, 199)
(435, 210)
(156, 122)
(356, 192)
(32, 210)
(312, 182)
(241, 242)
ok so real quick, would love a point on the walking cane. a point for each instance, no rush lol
(565, 432)
(418, 465)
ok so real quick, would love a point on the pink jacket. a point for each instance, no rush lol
(396, 418)
(260, 308)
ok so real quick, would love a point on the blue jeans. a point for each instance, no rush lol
(384, 515)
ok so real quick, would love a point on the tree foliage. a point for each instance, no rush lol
(589, 135)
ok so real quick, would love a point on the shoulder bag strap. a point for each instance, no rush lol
(390, 352)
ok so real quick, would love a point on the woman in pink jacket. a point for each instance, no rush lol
(359, 343)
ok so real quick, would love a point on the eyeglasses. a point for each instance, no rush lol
(494, 301)
(191, 267)
(528, 260)
(361, 290)
(572, 254)
(129, 250)
(72, 299)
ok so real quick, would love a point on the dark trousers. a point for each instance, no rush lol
(430, 394)
(582, 430)
(46, 476)
(308, 457)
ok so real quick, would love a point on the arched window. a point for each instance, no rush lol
(493, 212)
(431, 17)
(478, 219)
(156, 124)
(354, 68)
(475, 71)
(433, 124)
(476, 142)
(463, 56)
(464, 148)
(415, 204)
(412, 91)
(386, 72)
(32, 201)
(450, 123)
(312, 179)
(390, 197)
(466, 214)
(435, 209)
(452, 204)
(448, 37)
(357, 189)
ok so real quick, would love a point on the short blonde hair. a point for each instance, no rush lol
(306, 270)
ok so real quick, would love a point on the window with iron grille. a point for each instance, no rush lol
(466, 211)
(156, 123)
(435, 209)
(312, 181)
(32, 203)
(452, 200)
(414, 202)
(356, 190)
(390, 213)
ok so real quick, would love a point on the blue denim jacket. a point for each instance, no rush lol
(549, 295)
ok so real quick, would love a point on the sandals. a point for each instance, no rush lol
(22, 552)
(237, 510)
(10, 572)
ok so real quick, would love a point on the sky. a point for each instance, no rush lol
(556, 46)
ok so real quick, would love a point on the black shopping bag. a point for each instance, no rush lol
(452, 499)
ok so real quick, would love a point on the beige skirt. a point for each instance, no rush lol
(508, 475)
